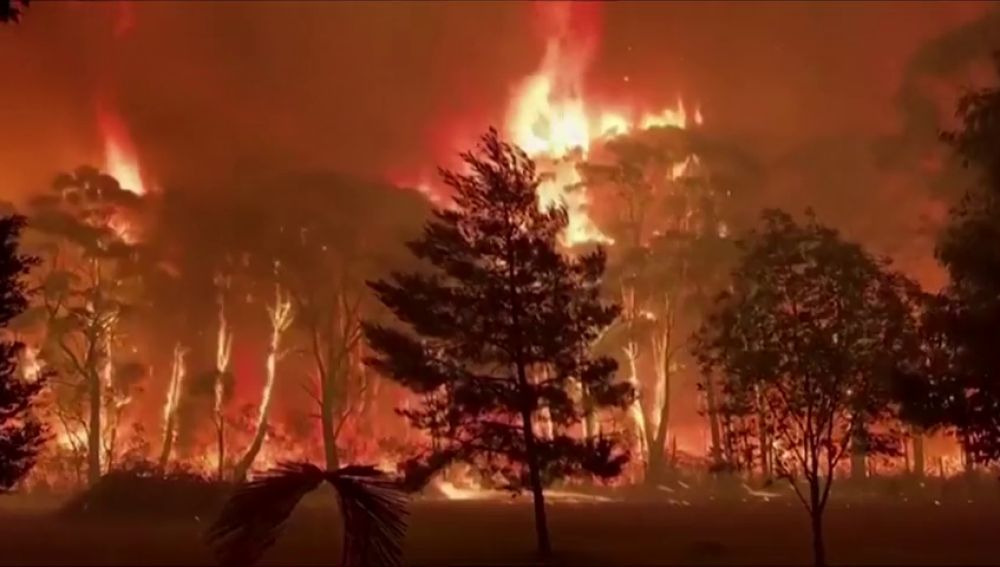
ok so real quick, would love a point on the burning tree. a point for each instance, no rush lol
(82, 234)
(325, 259)
(812, 330)
(21, 432)
(498, 331)
(280, 317)
(670, 247)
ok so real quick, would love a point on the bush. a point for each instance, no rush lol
(143, 491)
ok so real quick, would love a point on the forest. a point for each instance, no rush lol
(588, 308)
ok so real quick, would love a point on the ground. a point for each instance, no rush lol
(606, 533)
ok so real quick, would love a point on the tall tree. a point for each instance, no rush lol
(671, 252)
(813, 328)
(498, 330)
(280, 316)
(21, 432)
(957, 384)
(82, 231)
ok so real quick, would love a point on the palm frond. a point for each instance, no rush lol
(254, 515)
(374, 512)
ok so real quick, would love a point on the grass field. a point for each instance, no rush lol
(478, 532)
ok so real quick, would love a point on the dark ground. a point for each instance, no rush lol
(470, 532)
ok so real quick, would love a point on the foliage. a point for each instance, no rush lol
(956, 386)
(812, 329)
(21, 432)
(678, 196)
(372, 507)
(498, 333)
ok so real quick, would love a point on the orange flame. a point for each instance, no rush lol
(120, 158)
(550, 119)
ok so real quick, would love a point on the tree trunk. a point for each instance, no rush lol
(765, 439)
(661, 416)
(94, 431)
(541, 522)
(818, 545)
(534, 472)
(918, 454)
(327, 425)
(168, 443)
(177, 373)
(243, 466)
(859, 448)
(816, 506)
(714, 427)
(281, 318)
(640, 447)
(220, 442)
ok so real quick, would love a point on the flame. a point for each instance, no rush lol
(31, 367)
(178, 371)
(120, 158)
(281, 319)
(552, 122)
(223, 348)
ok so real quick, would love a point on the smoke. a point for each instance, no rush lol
(947, 59)
(363, 88)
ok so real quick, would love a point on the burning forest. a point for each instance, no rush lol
(683, 257)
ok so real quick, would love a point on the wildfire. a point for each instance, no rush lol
(550, 119)
(120, 158)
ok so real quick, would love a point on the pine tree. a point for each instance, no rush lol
(21, 433)
(496, 336)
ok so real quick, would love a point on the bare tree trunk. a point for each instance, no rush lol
(662, 346)
(918, 454)
(711, 401)
(94, 429)
(859, 452)
(327, 425)
(223, 354)
(220, 444)
(281, 319)
(765, 438)
(640, 447)
(177, 373)
(112, 411)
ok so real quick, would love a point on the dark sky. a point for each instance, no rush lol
(386, 89)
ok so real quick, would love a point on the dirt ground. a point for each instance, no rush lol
(616, 533)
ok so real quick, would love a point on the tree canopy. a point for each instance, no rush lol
(496, 332)
(811, 330)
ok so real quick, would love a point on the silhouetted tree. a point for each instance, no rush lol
(498, 331)
(372, 508)
(21, 432)
(812, 328)
(958, 385)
